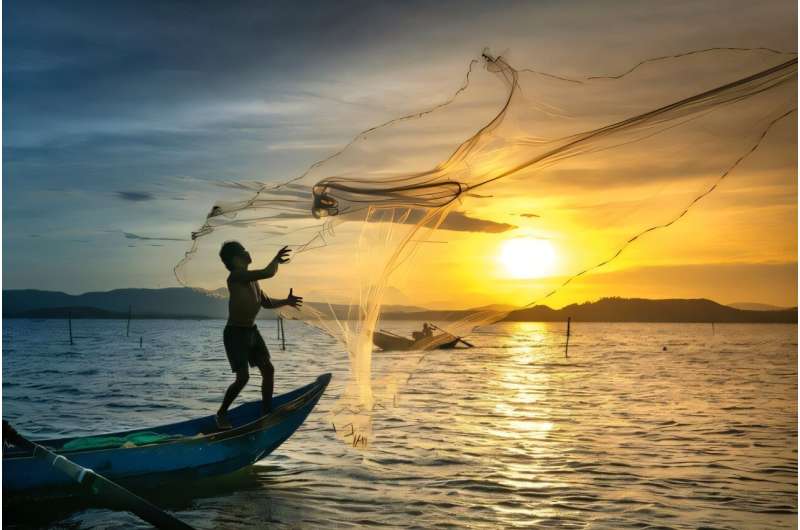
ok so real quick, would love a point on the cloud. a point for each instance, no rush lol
(461, 222)
(530, 215)
(135, 196)
(455, 221)
(129, 235)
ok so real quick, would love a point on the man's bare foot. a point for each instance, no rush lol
(222, 422)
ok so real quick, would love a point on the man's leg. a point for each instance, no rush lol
(242, 376)
(267, 383)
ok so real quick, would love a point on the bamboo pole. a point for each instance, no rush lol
(128, 329)
(283, 335)
(566, 347)
(69, 322)
(96, 485)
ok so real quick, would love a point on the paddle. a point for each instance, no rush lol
(469, 344)
(98, 485)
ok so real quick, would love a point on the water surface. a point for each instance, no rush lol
(643, 426)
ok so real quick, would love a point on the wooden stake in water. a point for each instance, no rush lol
(283, 335)
(69, 321)
(128, 330)
(566, 347)
(140, 342)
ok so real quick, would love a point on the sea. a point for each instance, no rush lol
(637, 426)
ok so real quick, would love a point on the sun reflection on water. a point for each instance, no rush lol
(508, 434)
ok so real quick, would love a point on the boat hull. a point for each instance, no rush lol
(200, 452)
(387, 342)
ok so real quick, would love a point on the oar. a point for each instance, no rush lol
(99, 485)
(469, 344)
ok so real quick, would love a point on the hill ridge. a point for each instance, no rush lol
(183, 302)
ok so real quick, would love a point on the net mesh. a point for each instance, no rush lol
(593, 165)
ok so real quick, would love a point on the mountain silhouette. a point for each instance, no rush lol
(182, 302)
(646, 310)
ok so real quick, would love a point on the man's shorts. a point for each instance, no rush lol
(244, 346)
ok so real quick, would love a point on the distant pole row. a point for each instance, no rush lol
(127, 328)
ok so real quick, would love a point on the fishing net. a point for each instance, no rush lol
(107, 442)
(413, 210)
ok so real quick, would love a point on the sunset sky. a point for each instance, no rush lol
(121, 118)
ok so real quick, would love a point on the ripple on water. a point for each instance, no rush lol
(508, 434)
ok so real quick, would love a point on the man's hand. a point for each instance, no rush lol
(267, 272)
(282, 256)
(294, 301)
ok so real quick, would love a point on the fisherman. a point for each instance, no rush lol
(243, 343)
(427, 332)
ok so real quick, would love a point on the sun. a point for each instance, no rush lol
(527, 257)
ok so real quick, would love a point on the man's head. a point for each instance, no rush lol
(234, 255)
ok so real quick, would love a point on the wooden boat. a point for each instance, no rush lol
(195, 448)
(389, 341)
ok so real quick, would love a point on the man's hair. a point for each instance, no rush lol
(228, 251)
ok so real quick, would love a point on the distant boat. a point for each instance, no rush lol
(191, 449)
(388, 341)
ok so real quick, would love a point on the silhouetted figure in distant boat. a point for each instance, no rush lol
(427, 331)
(243, 343)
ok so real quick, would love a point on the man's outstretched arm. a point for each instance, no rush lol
(262, 274)
(292, 300)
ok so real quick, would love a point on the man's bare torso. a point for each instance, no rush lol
(244, 303)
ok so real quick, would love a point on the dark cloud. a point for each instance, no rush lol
(461, 222)
(129, 235)
(529, 215)
(455, 221)
(135, 196)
